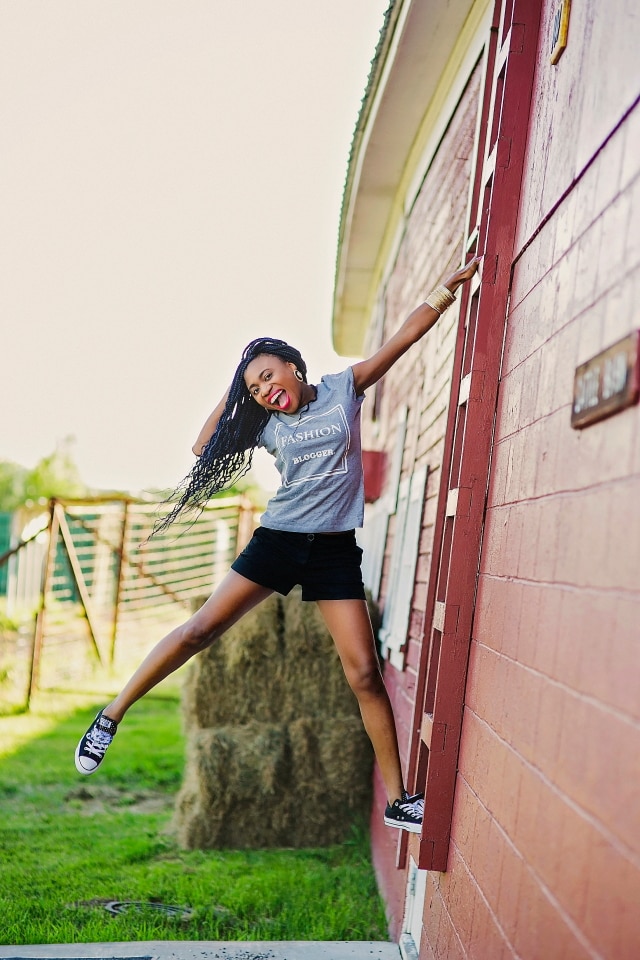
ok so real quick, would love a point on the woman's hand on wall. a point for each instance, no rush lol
(463, 275)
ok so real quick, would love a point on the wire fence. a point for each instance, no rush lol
(84, 588)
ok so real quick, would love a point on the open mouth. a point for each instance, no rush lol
(279, 398)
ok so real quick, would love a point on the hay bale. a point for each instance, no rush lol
(278, 663)
(276, 751)
(231, 772)
(332, 763)
(270, 785)
(312, 674)
(236, 680)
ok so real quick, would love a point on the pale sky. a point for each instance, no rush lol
(171, 177)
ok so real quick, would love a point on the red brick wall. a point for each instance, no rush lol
(545, 847)
(430, 249)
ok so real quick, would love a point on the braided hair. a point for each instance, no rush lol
(227, 456)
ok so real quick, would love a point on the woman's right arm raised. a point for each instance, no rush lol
(209, 427)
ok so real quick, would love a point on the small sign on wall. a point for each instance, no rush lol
(560, 30)
(607, 383)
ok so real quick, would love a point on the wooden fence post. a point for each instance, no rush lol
(78, 577)
(47, 573)
(246, 511)
(119, 574)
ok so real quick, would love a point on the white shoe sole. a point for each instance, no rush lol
(79, 766)
(410, 827)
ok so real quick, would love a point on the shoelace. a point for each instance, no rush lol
(416, 802)
(98, 741)
(412, 808)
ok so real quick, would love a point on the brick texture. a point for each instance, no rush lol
(545, 852)
(547, 813)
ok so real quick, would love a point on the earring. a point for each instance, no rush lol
(298, 375)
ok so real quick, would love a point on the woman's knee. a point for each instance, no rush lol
(198, 633)
(365, 679)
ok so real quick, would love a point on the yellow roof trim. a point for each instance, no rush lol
(379, 198)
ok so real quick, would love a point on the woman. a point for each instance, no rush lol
(307, 533)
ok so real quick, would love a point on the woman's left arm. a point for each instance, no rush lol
(419, 321)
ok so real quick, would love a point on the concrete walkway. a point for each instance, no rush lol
(209, 950)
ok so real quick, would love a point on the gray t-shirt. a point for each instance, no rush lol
(318, 455)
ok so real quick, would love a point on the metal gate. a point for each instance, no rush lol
(83, 577)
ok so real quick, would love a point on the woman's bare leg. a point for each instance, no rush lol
(233, 598)
(350, 626)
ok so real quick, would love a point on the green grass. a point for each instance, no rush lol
(67, 840)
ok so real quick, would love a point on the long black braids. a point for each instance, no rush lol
(228, 454)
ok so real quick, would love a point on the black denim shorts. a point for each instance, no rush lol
(326, 565)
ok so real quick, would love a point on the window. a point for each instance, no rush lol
(397, 610)
(373, 538)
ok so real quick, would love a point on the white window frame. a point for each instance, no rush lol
(404, 558)
(373, 537)
(392, 491)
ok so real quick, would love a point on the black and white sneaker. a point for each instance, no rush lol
(417, 800)
(406, 813)
(93, 746)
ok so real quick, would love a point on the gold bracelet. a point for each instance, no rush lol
(440, 298)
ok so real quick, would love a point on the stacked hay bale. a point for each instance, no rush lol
(276, 751)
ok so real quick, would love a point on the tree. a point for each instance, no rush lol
(55, 475)
(12, 477)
